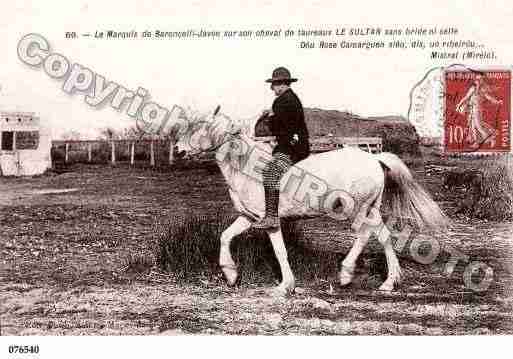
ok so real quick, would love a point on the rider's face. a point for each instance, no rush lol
(279, 87)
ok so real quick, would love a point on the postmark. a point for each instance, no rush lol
(477, 111)
(426, 106)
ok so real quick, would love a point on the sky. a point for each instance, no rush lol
(204, 73)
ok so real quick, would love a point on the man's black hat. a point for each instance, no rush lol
(281, 74)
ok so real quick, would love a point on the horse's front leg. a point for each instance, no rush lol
(288, 282)
(240, 225)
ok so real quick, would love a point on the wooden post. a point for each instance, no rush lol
(89, 152)
(171, 152)
(152, 154)
(368, 148)
(113, 152)
(66, 153)
(132, 153)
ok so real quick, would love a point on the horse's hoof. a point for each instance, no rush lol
(386, 287)
(282, 291)
(389, 285)
(346, 276)
(231, 275)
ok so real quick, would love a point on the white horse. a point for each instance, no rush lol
(346, 184)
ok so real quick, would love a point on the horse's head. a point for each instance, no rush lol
(204, 133)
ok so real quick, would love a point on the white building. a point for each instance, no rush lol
(24, 145)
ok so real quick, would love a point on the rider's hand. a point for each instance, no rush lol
(267, 113)
(295, 139)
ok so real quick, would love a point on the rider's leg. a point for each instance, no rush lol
(272, 174)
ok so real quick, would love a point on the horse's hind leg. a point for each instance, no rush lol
(240, 225)
(288, 282)
(363, 228)
(394, 269)
(346, 273)
(373, 224)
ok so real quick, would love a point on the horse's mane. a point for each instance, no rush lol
(218, 125)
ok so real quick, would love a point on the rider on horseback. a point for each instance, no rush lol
(287, 123)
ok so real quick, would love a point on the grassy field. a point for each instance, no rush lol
(83, 262)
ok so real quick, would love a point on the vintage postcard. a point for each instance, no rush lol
(200, 169)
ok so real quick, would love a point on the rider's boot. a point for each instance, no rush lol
(271, 219)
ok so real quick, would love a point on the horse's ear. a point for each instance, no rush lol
(216, 111)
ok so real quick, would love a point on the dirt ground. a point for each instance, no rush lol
(64, 259)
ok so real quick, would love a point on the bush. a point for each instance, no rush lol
(101, 153)
(398, 139)
(58, 154)
(138, 263)
(487, 188)
(189, 248)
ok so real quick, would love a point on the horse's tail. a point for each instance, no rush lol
(406, 198)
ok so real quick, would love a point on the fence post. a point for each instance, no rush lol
(152, 154)
(66, 156)
(89, 152)
(171, 152)
(113, 151)
(132, 153)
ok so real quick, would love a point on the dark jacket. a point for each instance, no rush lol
(289, 119)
